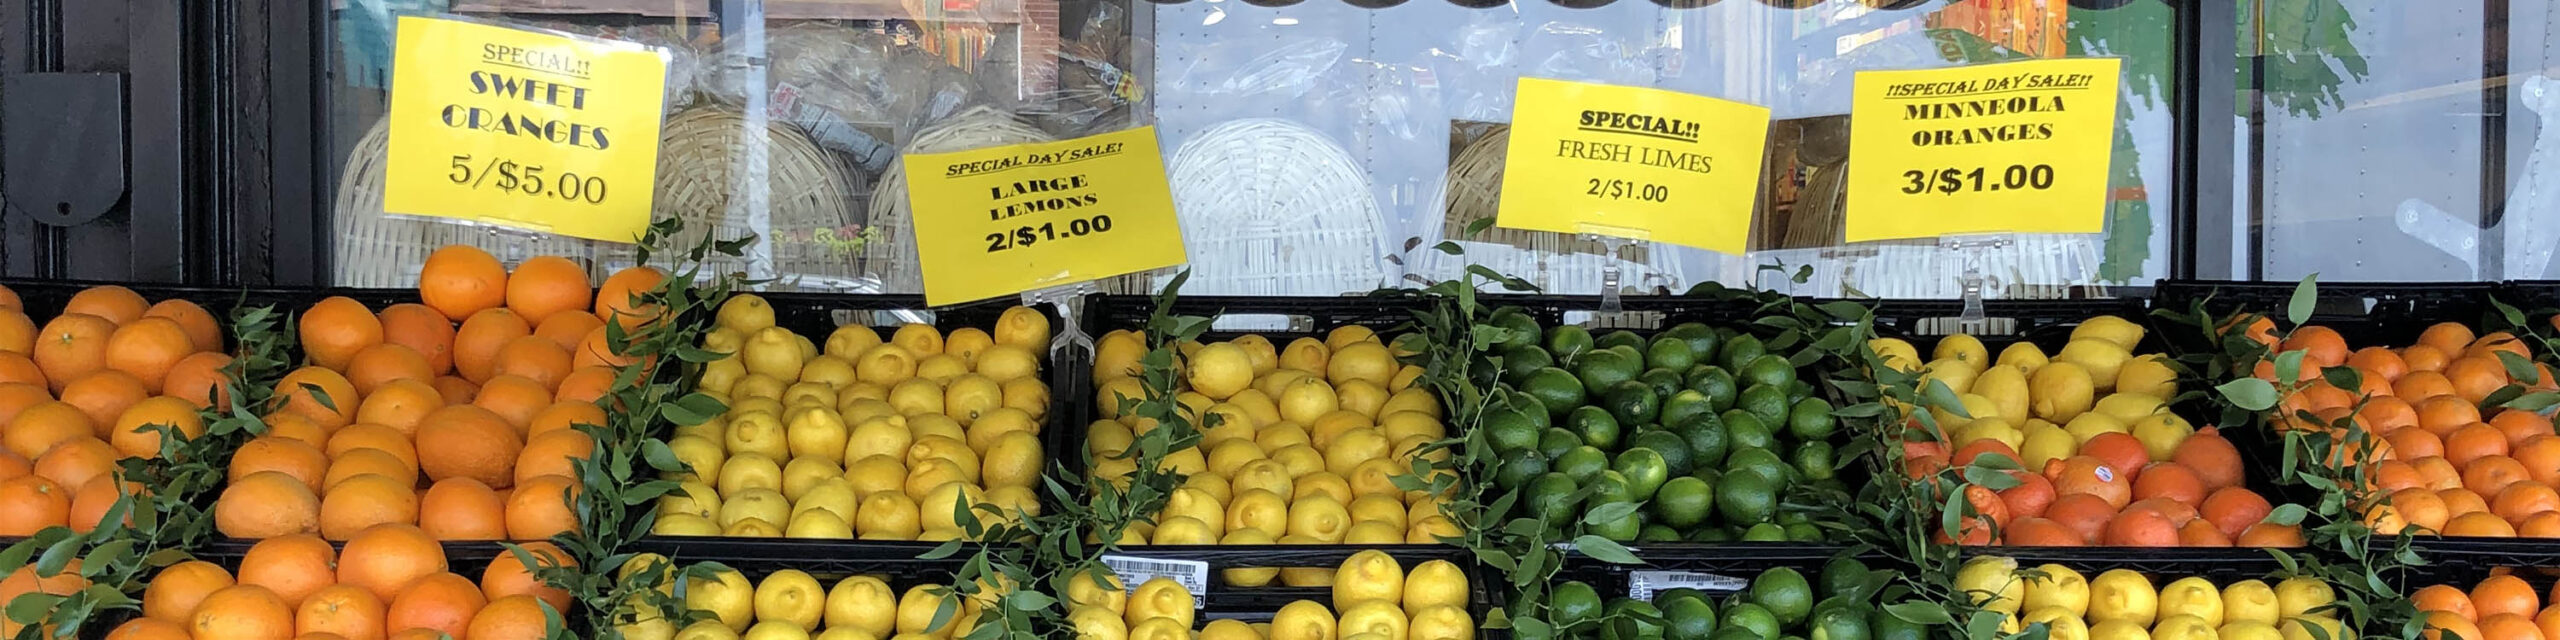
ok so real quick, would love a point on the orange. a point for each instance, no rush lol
(2269, 534)
(441, 601)
(2472, 442)
(2201, 533)
(348, 611)
(2443, 414)
(462, 509)
(2322, 346)
(2458, 501)
(114, 303)
(383, 363)
(1965, 454)
(89, 505)
(2177, 512)
(564, 415)
(2445, 625)
(2493, 342)
(539, 509)
(585, 385)
(288, 456)
(2541, 457)
(364, 501)
(545, 285)
(2521, 500)
(132, 439)
(399, 404)
(2549, 620)
(567, 329)
(460, 280)
(147, 348)
(2488, 475)
(41, 427)
(513, 398)
(465, 441)
(533, 358)
(199, 378)
(335, 328)
(456, 390)
(266, 504)
(2446, 599)
(2475, 377)
(2141, 528)
(31, 503)
(2260, 329)
(2520, 425)
(203, 330)
(2421, 508)
(9, 299)
(71, 346)
(373, 436)
(104, 395)
(1987, 505)
(2424, 358)
(2479, 524)
(388, 557)
(2378, 362)
(508, 575)
(294, 566)
(243, 612)
(2504, 594)
(173, 594)
(2211, 457)
(2439, 472)
(2039, 532)
(320, 394)
(2421, 385)
(17, 396)
(2087, 475)
(421, 329)
(2448, 336)
(2030, 498)
(17, 368)
(2169, 480)
(24, 581)
(511, 618)
(2083, 514)
(77, 462)
(553, 453)
(2509, 626)
(420, 634)
(2119, 451)
(2233, 509)
(151, 629)
(2320, 397)
(2393, 475)
(476, 346)
(2540, 525)
(618, 298)
(2386, 414)
(12, 466)
(596, 350)
(2414, 443)
(369, 461)
(17, 332)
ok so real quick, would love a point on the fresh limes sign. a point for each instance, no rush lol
(2020, 147)
(526, 129)
(1004, 220)
(1632, 162)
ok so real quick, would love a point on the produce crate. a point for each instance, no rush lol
(1256, 604)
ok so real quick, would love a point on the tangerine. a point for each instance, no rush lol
(619, 298)
(465, 441)
(363, 501)
(544, 285)
(147, 348)
(199, 378)
(115, 303)
(2233, 510)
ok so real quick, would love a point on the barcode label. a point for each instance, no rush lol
(1193, 575)
(1641, 585)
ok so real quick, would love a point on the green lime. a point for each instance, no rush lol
(1633, 403)
(1814, 461)
(1644, 469)
(1768, 369)
(1810, 420)
(1663, 382)
(1675, 451)
(1655, 532)
(1596, 426)
(1711, 534)
(1740, 350)
(1706, 438)
(1669, 352)
(1555, 441)
(1610, 486)
(1683, 502)
(1634, 353)
(1794, 517)
(1713, 381)
(1803, 532)
(1840, 624)
(1623, 529)
(1517, 364)
(1767, 403)
(1555, 389)
(1620, 338)
(1743, 430)
(1784, 591)
(1887, 627)
(1684, 405)
(1582, 463)
(1523, 329)
(1572, 604)
(1765, 532)
(1519, 468)
(1531, 406)
(1751, 616)
(1633, 620)
(1739, 633)
(1747, 499)
(1567, 342)
(1760, 462)
(1510, 431)
(1688, 618)
(1844, 577)
(1798, 390)
(1603, 368)
(1702, 340)
(1550, 496)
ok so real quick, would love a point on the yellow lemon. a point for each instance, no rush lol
(887, 515)
(1183, 530)
(757, 433)
(1435, 583)
(1107, 438)
(2118, 630)
(1321, 483)
(1956, 374)
(1161, 597)
(2251, 601)
(719, 376)
(2194, 596)
(862, 603)
(2060, 623)
(1377, 477)
(1029, 395)
(2102, 360)
(1257, 405)
(874, 474)
(2128, 407)
(759, 503)
(1306, 355)
(685, 524)
(752, 528)
(2123, 333)
(2301, 628)
(1301, 461)
(1412, 399)
(1896, 353)
(1368, 575)
(707, 630)
(1110, 396)
(2024, 356)
(2148, 375)
(850, 341)
(745, 312)
(1222, 422)
(917, 606)
(817, 524)
(2248, 630)
(809, 394)
(1022, 326)
(1306, 400)
(804, 474)
(1993, 583)
(1962, 348)
(726, 595)
(1319, 517)
(1382, 618)
(2091, 424)
(1260, 510)
(916, 395)
(1215, 486)
(966, 343)
(1303, 620)
(757, 385)
(833, 495)
(2061, 391)
(1372, 533)
(884, 365)
(1228, 629)
(941, 507)
(1248, 576)
(917, 337)
(1097, 624)
(1361, 396)
(1258, 349)
(2297, 597)
(1442, 622)
(2005, 389)
(969, 396)
(1116, 354)
(1262, 475)
(1227, 456)
(773, 352)
(983, 432)
(690, 498)
(2181, 626)
(1012, 461)
(1367, 361)
(2003, 430)
(2123, 595)
(1097, 588)
(1353, 447)
(840, 633)
(1378, 508)
(790, 596)
(2161, 433)
(2046, 442)
(1220, 370)
(2060, 588)
(1332, 425)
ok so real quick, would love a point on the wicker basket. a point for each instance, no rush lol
(375, 249)
(892, 260)
(707, 161)
(1271, 207)
(1556, 262)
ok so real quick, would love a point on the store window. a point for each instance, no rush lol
(1316, 148)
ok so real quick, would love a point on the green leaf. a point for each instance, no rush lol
(2344, 378)
(2288, 514)
(1604, 550)
(1920, 613)
(2519, 369)
(1939, 396)
(2304, 296)
(1609, 512)
(58, 556)
(2289, 365)
(1988, 478)
(2249, 393)
(30, 608)
(2537, 402)
(944, 550)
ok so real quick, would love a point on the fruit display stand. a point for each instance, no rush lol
(2095, 600)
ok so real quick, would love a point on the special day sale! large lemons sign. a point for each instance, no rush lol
(1009, 219)
(2018, 147)
(528, 129)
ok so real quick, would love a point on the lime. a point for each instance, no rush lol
(1633, 620)
(1784, 591)
(1803, 532)
(1810, 420)
(1760, 462)
(1633, 403)
(1746, 498)
(1530, 406)
(1610, 486)
(1582, 463)
(1517, 364)
(1754, 617)
(1555, 441)
(1739, 633)
(1683, 502)
(1706, 439)
(1689, 617)
(1840, 624)
(1794, 517)
(1595, 426)
(1655, 532)
(1768, 369)
(1644, 469)
(1670, 352)
(1620, 338)
(1551, 497)
(1739, 350)
(1887, 627)
(1572, 604)
(1522, 328)
(1634, 353)
(1674, 450)
(1747, 431)
(1555, 389)
(1798, 390)
(1683, 405)
(1765, 532)
(1702, 340)
(1713, 381)
(1711, 534)
(1519, 468)
(1765, 402)
(1663, 382)
(1814, 461)
(1623, 529)
(1568, 342)
(1844, 577)
(1603, 368)
(1509, 431)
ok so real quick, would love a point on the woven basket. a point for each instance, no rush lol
(1556, 262)
(705, 161)
(892, 260)
(380, 250)
(1271, 207)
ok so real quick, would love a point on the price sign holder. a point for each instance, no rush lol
(1973, 320)
(1611, 273)
(1069, 300)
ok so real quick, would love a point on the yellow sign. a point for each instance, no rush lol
(2019, 147)
(1632, 162)
(1004, 220)
(525, 129)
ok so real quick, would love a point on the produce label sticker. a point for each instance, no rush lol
(1641, 585)
(527, 129)
(1632, 162)
(1004, 220)
(1193, 575)
(2019, 147)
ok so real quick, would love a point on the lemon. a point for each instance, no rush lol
(2161, 433)
(940, 447)
(757, 385)
(818, 524)
(1259, 510)
(1248, 576)
(752, 528)
(2123, 595)
(1992, 582)
(726, 595)
(1319, 517)
(1321, 483)
(916, 395)
(2248, 630)
(1896, 353)
(2148, 375)
(2251, 601)
(2118, 630)
(1013, 461)
(917, 337)
(1222, 422)
(850, 341)
(969, 396)
(1097, 588)
(1957, 375)
(1220, 370)
(804, 474)
(1432, 530)
(2045, 442)
(924, 477)
(1116, 354)
(648, 625)
(1307, 399)
(2300, 628)
(1261, 475)
(758, 503)
(2089, 425)
(1161, 597)
(1305, 576)
(2179, 626)
(723, 339)
(773, 352)
(833, 495)
(758, 433)
(1361, 396)
(1413, 400)
(1097, 624)
(1406, 424)
(1435, 583)
(1195, 504)
(982, 434)
(884, 364)
(1256, 405)
(886, 515)
(1109, 396)
(2005, 389)
(707, 630)
(1962, 348)
(1215, 486)
(966, 343)
(2297, 597)
(1183, 530)
(2129, 407)
(1228, 629)
(861, 391)
(1367, 361)
(1029, 395)
(1377, 477)
(2059, 588)
(2003, 430)
(2060, 623)
(916, 609)
(685, 524)
(808, 348)
(1383, 618)
(2023, 356)
(2102, 360)
(2193, 596)
(2061, 391)
(790, 596)
(941, 507)
(809, 394)
(2119, 331)
(875, 473)
(1442, 622)
(1303, 620)
(1022, 326)
(1329, 426)
(862, 603)
(690, 497)
(718, 376)
(1159, 629)
(1368, 575)
(1230, 454)
(1371, 532)
(1378, 508)
(842, 633)
(1353, 447)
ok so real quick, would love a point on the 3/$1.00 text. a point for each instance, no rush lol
(544, 84)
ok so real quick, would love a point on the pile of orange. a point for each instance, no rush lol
(2444, 464)
(392, 581)
(2502, 607)
(401, 416)
(76, 393)
(2114, 494)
